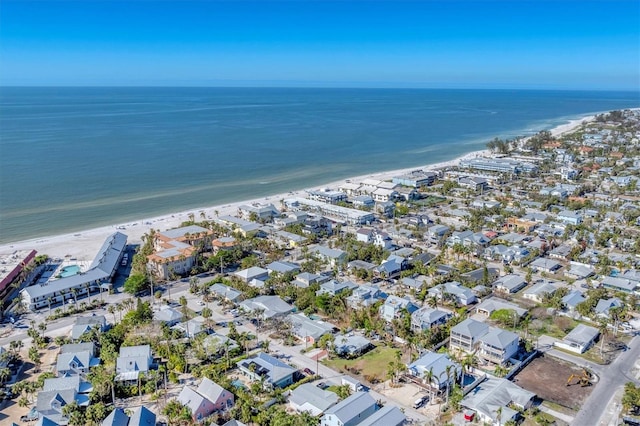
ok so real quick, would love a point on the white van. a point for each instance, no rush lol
(420, 401)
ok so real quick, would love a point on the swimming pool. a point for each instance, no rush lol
(69, 271)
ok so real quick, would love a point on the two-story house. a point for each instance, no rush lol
(76, 359)
(262, 366)
(462, 295)
(207, 399)
(365, 295)
(434, 370)
(426, 317)
(490, 343)
(132, 361)
(393, 307)
(466, 335)
(498, 346)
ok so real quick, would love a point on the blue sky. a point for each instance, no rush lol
(559, 44)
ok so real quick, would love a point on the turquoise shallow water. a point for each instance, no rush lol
(76, 158)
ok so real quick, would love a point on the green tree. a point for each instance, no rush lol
(177, 413)
(136, 283)
(73, 412)
(631, 398)
(96, 413)
(343, 391)
(34, 356)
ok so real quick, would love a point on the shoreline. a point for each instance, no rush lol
(83, 245)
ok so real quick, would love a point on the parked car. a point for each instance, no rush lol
(420, 401)
(308, 372)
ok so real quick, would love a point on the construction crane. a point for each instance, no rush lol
(583, 379)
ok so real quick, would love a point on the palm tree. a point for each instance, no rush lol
(87, 288)
(5, 373)
(112, 310)
(470, 361)
(49, 300)
(433, 302)
(16, 345)
(74, 293)
(42, 327)
(34, 356)
(603, 327)
(119, 308)
(63, 294)
(428, 377)
(448, 370)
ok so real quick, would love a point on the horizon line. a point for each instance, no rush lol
(178, 86)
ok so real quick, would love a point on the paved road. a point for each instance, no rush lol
(612, 377)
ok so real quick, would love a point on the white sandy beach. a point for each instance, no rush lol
(83, 245)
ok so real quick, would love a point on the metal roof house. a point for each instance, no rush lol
(254, 272)
(463, 295)
(207, 399)
(388, 415)
(579, 339)
(132, 361)
(620, 284)
(426, 317)
(168, 315)
(394, 305)
(50, 404)
(270, 306)
(545, 265)
(466, 335)
(263, 366)
(572, 300)
(537, 291)
(86, 323)
(142, 416)
(604, 305)
(497, 394)
(498, 345)
(436, 364)
(226, 292)
(308, 330)
(490, 305)
(511, 283)
(351, 411)
(333, 287)
(310, 398)
(350, 345)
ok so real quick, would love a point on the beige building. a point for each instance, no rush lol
(175, 250)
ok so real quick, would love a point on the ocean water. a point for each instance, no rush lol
(76, 158)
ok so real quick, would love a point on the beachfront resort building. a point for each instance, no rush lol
(499, 165)
(100, 272)
(13, 267)
(416, 178)
(339, 213)
(175, 250)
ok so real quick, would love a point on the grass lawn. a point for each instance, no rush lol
(431, 200)
(374, 363)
